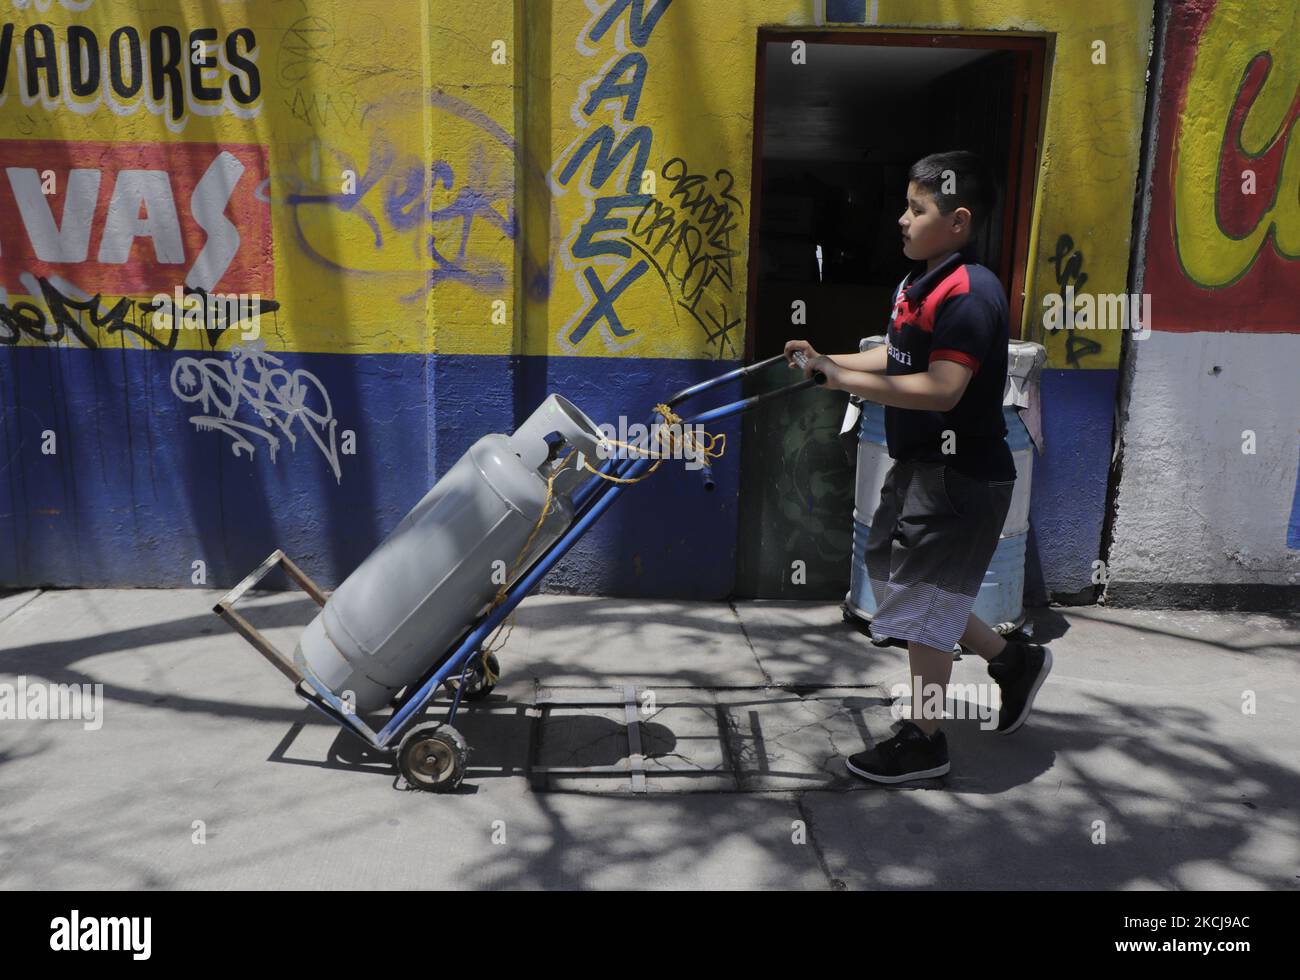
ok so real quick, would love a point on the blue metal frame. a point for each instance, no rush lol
(591, 500)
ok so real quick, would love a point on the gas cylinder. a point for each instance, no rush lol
(401, 610)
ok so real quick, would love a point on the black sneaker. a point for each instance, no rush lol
(910, 754)
(1020, 670)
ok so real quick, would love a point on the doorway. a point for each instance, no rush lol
(837, 126)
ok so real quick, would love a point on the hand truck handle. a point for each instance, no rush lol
(800, 360)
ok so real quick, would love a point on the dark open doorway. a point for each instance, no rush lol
(834, 138)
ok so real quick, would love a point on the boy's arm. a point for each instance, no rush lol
(874, 361)
(965, 329)
(935, 390)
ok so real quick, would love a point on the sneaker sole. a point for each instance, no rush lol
(877, 778)
(1033, 693)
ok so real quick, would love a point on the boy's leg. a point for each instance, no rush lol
(982, 638)
(879, 548)
(1018, 668)
(952, 545)
(931, 668)
(926, 571)
(919, 749)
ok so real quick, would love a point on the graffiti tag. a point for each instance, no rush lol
(1069, 272)
(71, 312)
(278, 397)
(690, 246)
(407, 205)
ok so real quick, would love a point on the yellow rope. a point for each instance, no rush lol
(710, 448)
(681, 438)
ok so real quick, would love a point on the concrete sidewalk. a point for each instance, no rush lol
(1139, 767)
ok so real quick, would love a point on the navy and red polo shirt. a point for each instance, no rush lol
(955, 312)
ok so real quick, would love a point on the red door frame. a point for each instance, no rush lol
(1022, 168)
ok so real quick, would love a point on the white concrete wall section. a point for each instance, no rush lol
(1192, 506)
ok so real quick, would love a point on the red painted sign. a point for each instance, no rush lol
(135, 218)
(1218, 211)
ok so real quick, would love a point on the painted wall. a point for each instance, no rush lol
(445, 211)
(1209, 492)
(203, 149)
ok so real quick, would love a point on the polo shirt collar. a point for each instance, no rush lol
(916, 291)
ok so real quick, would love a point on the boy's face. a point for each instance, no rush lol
(927, 234)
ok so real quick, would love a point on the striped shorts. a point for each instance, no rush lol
(931, 541)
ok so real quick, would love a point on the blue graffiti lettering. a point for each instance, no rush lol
(640, 26)
(622, 81)
(611, 89)
(587, 246)
(608, 160)
(602, 307)
(413, 205)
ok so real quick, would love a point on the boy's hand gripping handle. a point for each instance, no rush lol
(800, 359)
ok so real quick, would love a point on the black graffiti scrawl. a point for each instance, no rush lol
(1069, 272)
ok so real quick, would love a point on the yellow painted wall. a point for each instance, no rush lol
(405, 95)
(451, 146)
(698, 102)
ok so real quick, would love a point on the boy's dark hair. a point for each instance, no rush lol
(972, 183)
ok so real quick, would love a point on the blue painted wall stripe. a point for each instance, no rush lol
(664, 537)
(1069, 493)
(135, 493)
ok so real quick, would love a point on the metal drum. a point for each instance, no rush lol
(1000, 602)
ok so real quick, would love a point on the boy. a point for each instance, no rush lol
(941, 377)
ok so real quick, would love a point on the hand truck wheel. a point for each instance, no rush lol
(433, 757)
(475, 687)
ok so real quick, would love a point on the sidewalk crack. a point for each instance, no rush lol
(832, 883)
(767, 678)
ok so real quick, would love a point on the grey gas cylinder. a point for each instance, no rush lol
(403, 607)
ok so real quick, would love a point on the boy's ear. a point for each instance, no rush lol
(961, 218)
